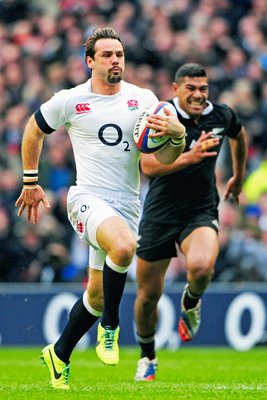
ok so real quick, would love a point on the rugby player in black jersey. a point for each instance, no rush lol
(181, 209)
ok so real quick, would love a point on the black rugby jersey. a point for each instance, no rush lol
(192, 190)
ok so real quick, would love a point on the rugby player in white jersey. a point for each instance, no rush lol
(103, 206)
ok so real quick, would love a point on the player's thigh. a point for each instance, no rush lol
(86, 212)
(201, 247)
(150, 276)
(113, 234)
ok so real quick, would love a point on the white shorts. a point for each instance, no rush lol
(88, 207)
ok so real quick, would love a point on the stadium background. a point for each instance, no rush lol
(42, 52)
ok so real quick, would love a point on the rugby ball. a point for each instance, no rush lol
(143, 142)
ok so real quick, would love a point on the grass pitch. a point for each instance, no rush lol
(188, 373)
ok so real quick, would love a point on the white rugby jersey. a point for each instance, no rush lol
(100, 128)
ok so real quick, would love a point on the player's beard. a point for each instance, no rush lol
(114, 78)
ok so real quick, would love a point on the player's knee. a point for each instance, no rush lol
(202, 271)
(122, 253)
(149, 298)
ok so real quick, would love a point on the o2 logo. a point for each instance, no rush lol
(84, 208)
(253, 304)
(117, 140)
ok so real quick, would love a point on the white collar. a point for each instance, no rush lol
(206, 111)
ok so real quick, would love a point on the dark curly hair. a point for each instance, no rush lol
(100, 33)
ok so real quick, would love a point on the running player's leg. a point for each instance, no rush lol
(150, 281)
(156, 247)
(104, 226)
(118, 241)
(82, 317)
(200, 249)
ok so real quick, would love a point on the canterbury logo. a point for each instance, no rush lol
(82, 108)
(57, 375)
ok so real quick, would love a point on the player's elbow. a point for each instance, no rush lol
(148, 172)
(148, 166)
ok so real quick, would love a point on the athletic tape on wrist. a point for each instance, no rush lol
(30, 178)
(176, 142)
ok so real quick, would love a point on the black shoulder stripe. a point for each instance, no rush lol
(41, 122)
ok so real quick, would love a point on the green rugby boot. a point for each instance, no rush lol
(59, 371)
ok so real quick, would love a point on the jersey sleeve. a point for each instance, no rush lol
(233, 123)
(150, 97)
(51, 115)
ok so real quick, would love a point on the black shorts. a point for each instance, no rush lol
(158, 241)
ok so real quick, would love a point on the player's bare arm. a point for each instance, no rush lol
(239, 158)
(32, 194)
(202, 149)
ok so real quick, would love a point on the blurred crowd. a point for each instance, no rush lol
(42, 52)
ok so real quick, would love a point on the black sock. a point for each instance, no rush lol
(147, 346)
(80, 321)
(113, 284)
(190, 299)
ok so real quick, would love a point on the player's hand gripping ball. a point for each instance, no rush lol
(143, 142)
